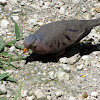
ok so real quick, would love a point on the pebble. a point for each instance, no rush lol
(30, 0)
(62, 75)
(13, 1)
(40, 23)
(12, 49)
(62, 10)
(70, 60)
(84, 9)
(4, 23)
(94, 94)
(16, 11)
(15, 18)
(63, 60)
(75, 1)
(52, 74)
(39, 94)
(86, 16)
(30, 98)
(24, 93)
(86, 57)
(3, 89)
(53, 4)
(3, 2)
(49, 97)
(59, 93)
(80, 67)
(72, 98)
(32, 21)
(65, 67)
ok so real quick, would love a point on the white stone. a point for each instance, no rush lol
(59, 93)
(3, 1)
(83, 9)
(12, 48)
(32, 21)
(3, 89)
(86, 16)
(30, 97)
(62, 75)
(24, 93)
(94, 94)
(79, 67)
(13, 1)
(39, 94)
(63, 60)
(75, 1)
(65, 67)
(49, 97)
(30, 0)
(85, 57)
(17, 10)
(62, 10)
(40, 23)
(9, 71)
(52, 74)
(72, 98)
(15, 18)
(4, 24)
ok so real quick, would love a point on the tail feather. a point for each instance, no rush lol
(92, 23)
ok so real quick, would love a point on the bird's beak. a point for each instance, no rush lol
(25, 49)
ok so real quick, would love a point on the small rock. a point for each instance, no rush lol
(30, 0)
(17, 11)
(9, 71)
(75, 1)
(62, 10)
(94, 94)
(40, 23)
(63, 60)
(84, 9)
(32, 21)
(52, 74)
(12, 49)
(85, 95)
(59, 93)
(86, 57)
(41, 3)
(70, 60)
(15, 18)
(3, 89)
(80, 67)
(53, 4)
(72, 98)
(13, 1)
(3, 2)
(4, 24)
(49, 97)
(30, 97)
(39, 94)
(62, 75)
(24, 93)
(86, 16)
(65, 67)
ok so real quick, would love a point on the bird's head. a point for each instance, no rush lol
(30, 42)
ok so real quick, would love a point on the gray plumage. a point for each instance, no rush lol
(57, 36)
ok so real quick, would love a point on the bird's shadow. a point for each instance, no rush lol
(81, 48)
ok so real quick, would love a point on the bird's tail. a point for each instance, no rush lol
(92, 23)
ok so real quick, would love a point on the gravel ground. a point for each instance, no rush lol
(73, 78)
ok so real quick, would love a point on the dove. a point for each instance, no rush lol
(55, 37)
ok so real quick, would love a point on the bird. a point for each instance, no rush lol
(55, 37)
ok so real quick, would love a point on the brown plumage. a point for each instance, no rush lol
(57, 36)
